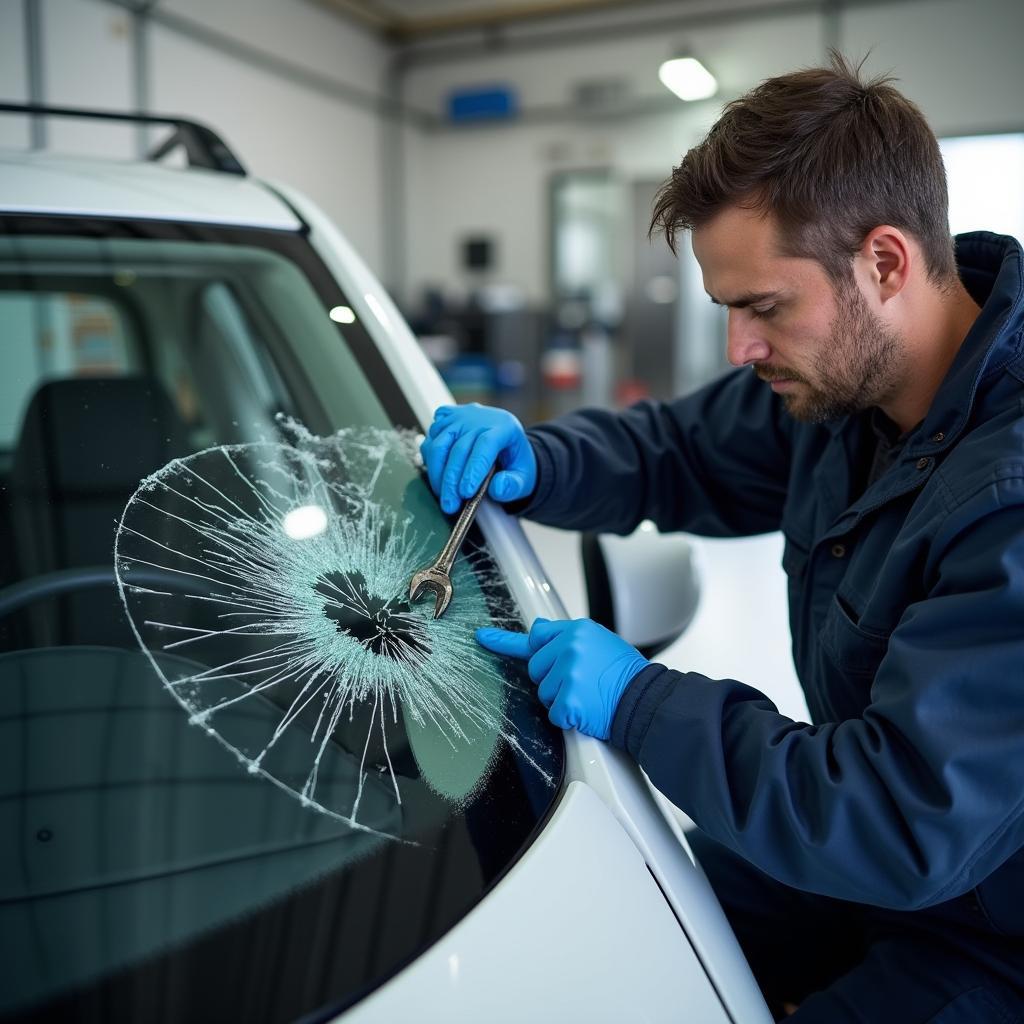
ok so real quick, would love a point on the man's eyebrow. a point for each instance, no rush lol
(745, 300)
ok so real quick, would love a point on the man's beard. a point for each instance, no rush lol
(860, 364)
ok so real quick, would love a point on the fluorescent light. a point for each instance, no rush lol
(305, 522)
(688, 78)
(342, 315)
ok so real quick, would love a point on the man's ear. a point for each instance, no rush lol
(885, 260)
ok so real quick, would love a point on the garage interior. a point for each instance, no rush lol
(495, 162)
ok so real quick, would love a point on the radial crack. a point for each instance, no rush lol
(331, 657)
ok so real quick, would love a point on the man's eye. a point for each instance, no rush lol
(763, 314)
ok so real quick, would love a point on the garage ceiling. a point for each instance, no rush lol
(410, 19)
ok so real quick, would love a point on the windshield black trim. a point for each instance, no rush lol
(305, 228)
(81, 217)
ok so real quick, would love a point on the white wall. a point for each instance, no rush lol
(87, 62)
(280, 130)
(296, 30)
(959, 61)
(280, 127)
(13, 81)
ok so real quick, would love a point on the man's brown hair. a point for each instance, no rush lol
(832, 156)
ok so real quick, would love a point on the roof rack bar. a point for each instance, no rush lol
(203, 146)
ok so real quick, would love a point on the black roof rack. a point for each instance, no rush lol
(203, 146)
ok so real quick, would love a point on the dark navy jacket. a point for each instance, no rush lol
(906, 608)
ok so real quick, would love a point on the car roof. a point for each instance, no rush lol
(40, 182)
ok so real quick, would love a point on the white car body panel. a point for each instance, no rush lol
(651, 577)
(37, 183)
(575, 931)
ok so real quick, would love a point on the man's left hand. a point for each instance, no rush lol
(582, 669)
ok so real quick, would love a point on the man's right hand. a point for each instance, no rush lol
(463, 443)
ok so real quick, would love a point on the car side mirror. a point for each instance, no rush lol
(644, 587)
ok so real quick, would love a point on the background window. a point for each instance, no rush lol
(986, 183)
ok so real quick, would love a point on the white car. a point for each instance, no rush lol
(242, 777)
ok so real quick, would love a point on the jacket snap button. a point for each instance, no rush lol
(940, 436)
(923, 463)
(838, 550)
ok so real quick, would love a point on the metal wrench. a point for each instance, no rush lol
(435, 578)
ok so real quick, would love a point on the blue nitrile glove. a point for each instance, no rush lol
(463, 443)
(583, 669)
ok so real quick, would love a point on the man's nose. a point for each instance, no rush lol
(745, 344)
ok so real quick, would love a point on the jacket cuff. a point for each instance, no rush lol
(545, 480)
(637, 707)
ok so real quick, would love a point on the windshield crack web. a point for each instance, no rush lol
(280, 571)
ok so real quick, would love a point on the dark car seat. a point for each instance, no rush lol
(85, 444)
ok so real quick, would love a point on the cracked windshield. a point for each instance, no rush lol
(231, 746)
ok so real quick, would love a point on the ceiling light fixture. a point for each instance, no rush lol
(688, 78)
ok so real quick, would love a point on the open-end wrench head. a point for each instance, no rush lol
(433, 582)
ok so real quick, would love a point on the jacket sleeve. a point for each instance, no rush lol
(715, 462)
(913, 803)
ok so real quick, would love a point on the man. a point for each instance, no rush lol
(870, 863)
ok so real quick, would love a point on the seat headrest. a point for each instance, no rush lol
(96, 435)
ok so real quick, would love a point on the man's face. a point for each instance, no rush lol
(818, 344)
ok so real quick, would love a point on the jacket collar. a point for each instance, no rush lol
(992, 269)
